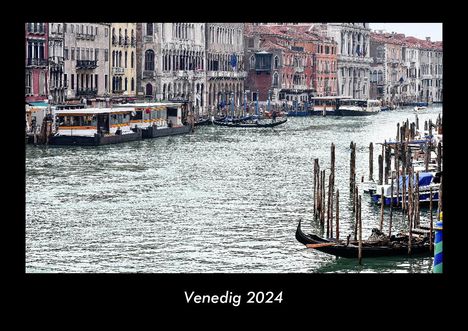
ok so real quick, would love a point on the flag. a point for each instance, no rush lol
(233, 60)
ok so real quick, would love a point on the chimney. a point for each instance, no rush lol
(428, 38)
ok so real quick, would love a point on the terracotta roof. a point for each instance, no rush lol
(401, 39)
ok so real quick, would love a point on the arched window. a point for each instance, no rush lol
(276, 62)
(132, 84)
(132, 59)
(126, 83)
(149, 60)
(149, 29)
(252, 62)
(149, 89)
(380, 76)
(275, 79)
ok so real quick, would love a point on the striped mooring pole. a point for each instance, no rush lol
(438, 247)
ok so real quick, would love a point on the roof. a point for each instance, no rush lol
(147, 104)
(402, 40)
(90, 111)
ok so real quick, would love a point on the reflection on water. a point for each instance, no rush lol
(219, 200)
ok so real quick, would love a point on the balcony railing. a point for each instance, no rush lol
(37, 62)
(118, 71)
(85, 36)
(86, 64)
(87, 92)
(148, 74)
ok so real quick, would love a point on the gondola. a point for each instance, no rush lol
(250, 125)
(203, 121)
(395, 246)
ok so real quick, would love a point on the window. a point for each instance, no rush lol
(126, 83)
(73, 53)
(65, 27)
(149, 60)
(96, 79)
(125, 59)
(106, 32)
(72, 80)
(96, 54)
(105, 83)
(252, 62)
(132, 84)
(106, 55)
(275, 79)
(132, 60)
(149, 29)
(65, 52)
(276, 62)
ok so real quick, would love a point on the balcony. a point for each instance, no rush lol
(148, 39)
(230, 74)
(86, 64)
(118, 91)
(118, 71)
(87, 92)
(37, 62)
(148, 74)
(85, 36)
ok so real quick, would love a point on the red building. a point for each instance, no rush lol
(292, 63)
(36, 63)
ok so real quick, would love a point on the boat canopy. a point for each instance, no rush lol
(425, 178)
(92, 111)
(147, 104)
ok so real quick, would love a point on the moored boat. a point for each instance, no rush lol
(93, 126)
(252, 124)
(359, 107)
(379, 246)
(156, 119)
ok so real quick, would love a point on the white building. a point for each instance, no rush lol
(353, 57)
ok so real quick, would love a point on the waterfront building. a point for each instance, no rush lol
(225, 72)
(171, 62)
(353, 57)
(291, 63)
(86, 57)
(123, 61)
(36, 62)
(57, 76)
(431, 60)
(411, 68)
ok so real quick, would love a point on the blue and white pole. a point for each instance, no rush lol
(438, 247)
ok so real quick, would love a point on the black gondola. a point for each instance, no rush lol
(251, 124)
(395, 246)
(203, 121)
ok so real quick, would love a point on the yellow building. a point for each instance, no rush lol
(123, 60)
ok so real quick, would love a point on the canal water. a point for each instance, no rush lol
(221, 200)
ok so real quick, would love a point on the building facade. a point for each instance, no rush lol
(291, 63)
(353, 42)
(123, 60)
(86, 57)
(57, 76)
(412, 69)
(36, 62)
(171, 62)
(225, 72)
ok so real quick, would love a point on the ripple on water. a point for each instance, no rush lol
(220, 200)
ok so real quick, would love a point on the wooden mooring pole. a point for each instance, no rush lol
(360, 230)
(337, 215)
(371, 161)
(382, 204)
(431, 224)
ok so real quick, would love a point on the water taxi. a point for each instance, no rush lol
(359, 107)
(156, 119)
(327, 105)
(93, 126)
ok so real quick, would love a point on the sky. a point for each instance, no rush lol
(418, 30)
